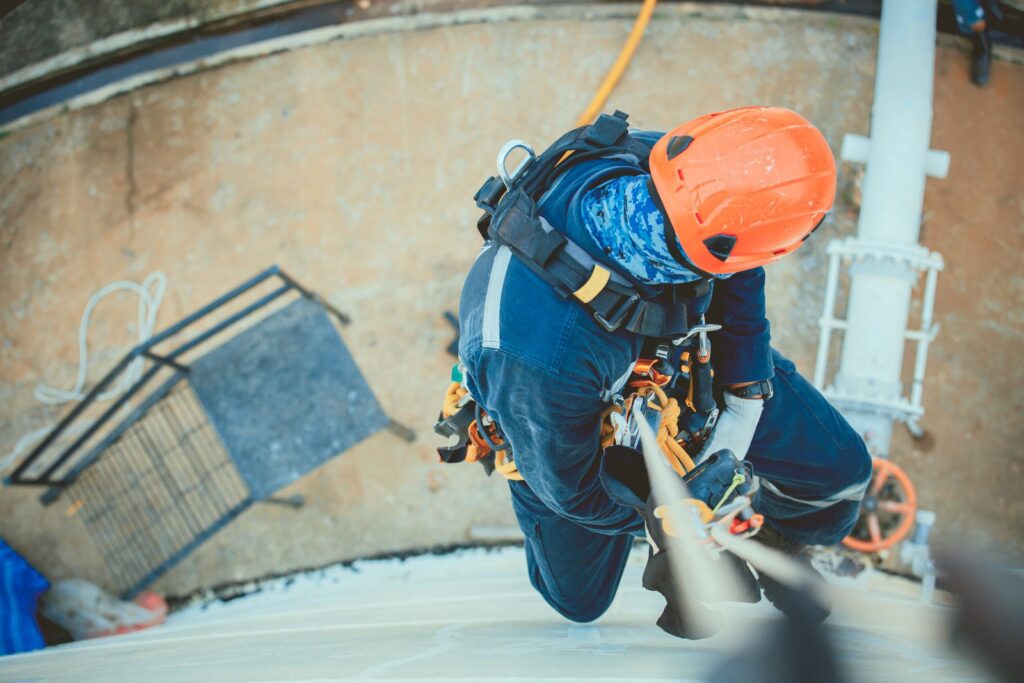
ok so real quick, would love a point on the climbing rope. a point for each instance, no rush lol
(151, 294)
(668, 427)
(611, 79)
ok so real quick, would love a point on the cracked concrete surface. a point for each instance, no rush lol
(352, 165)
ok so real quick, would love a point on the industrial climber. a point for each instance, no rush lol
(621, 258)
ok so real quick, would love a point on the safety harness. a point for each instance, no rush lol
(511, 219)
(471, 433)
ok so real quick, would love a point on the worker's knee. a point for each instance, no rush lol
(576, 572)
(855, 472)
(577, 600)
(580, 608)
(583, 614)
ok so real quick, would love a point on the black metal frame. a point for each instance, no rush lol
(169, 360)
(190, 488)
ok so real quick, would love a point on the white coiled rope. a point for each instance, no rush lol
(150, 293)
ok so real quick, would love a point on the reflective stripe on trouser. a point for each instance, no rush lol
(854, 492)
(814, 467)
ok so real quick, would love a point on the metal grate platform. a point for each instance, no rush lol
(207, 430)
(159, 491)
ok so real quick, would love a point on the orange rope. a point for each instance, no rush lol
(668, 429)
(455, 393)
(619, 67)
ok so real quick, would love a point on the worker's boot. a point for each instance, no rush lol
(982, 57)
(788, 599)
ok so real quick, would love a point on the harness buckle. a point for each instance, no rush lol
(607, 130)
(619, 315)
(489, 194)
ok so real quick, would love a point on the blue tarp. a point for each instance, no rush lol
(20, 588)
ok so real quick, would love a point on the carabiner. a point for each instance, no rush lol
(503, 153)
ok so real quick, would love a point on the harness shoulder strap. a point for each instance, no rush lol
(510, 218)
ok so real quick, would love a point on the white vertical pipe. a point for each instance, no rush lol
(901, 122)
(827, 322)
(917, 389)
(893, 196)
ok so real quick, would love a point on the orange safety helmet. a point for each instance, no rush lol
(744, 187)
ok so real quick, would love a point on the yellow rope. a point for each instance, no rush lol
(611, 79)
(668, 429)
(506, 467)
(450, 406)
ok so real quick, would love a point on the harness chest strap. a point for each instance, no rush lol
(613, 304)
(595, 283)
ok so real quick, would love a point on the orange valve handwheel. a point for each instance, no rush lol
(887, 512)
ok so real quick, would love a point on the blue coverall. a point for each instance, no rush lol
(544, 369)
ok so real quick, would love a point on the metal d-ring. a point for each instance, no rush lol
(503, 153)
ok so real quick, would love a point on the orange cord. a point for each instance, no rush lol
(611, 79)
(668, 428)
(478, 447)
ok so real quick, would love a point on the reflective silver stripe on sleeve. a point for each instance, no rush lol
(491, 337)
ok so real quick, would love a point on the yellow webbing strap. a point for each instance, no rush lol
(505, 467)
(592, 287)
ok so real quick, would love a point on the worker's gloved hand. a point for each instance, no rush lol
(720, 478)
(735, 427)
(716, 481)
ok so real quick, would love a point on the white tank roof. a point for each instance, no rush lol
(471, 615)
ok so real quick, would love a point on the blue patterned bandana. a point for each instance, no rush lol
(623, 220)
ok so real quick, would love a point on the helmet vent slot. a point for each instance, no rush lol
(677, 145)
(720, 246)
